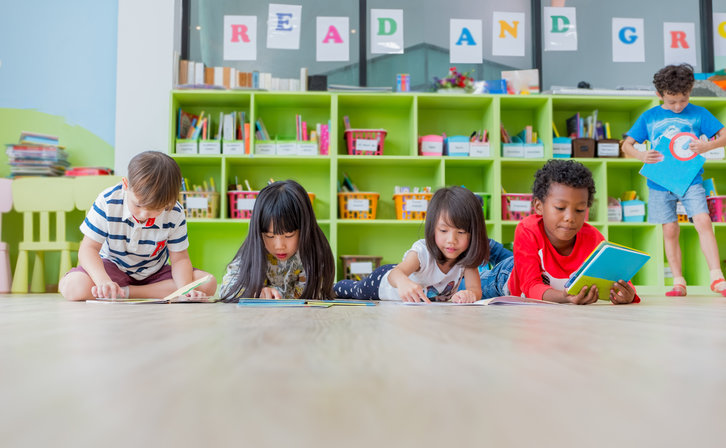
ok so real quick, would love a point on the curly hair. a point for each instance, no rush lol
(674, 79)
(566, 172)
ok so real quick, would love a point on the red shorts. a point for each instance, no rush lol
(123, 279)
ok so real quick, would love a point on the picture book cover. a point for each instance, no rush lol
(679, 166)
(504, 300)
(607, 264)
(178, 296)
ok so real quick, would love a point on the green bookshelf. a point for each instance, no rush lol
(405, 117)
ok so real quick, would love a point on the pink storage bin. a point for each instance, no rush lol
(431, 145)
(717, 208)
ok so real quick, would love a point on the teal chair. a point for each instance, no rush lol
(40, 199)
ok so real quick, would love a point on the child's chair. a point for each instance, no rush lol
(6, 201)
(42, 196)
(87, 188)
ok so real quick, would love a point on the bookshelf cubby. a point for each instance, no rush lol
(405, 117)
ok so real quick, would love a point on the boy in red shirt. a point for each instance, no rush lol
(552, 243)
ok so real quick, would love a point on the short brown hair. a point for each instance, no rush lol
(155, 179)
(674, 79)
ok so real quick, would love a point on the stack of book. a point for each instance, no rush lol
(36, 155)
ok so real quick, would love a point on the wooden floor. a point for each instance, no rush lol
(77, 374)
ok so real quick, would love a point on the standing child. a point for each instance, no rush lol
(552, 243)
(131, 232)
(673, 86)
(285, 254)
(455, 245)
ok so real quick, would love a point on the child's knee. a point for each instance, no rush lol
(671, 230)
(702, 221)
(75, 286)
(209, 288)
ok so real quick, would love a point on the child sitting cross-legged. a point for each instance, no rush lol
(552, 243)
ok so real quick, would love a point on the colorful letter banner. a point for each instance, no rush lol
(386, 28)
(283, 26)
(508, 33)
(719, 34)
(240, 38)
(560, 29)
(679, 43)
(332, 39)
(465, 41)
(628, 40)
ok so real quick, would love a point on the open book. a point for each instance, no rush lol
(504, 300)
(178, 296)
(282, 303)
(607, 264)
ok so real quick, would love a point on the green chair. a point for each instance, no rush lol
(87, 188)
(39, 199)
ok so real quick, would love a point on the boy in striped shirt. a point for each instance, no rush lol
(130, 233)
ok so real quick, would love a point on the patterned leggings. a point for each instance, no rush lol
(366, 289)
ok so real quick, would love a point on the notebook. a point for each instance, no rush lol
(679, 166)
(177, 296)
(607, 264)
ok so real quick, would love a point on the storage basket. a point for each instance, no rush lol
(241, 203)
(358, 267)
(366, 142)
(411, 205)
(357, 205)
(717, 208)
(200, 204)
(516, 206)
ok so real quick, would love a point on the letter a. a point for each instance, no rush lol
(465, 37)
(332, 34)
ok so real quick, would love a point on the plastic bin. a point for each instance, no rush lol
(366, 142)
(411, 205)
(357, 205)
(358, 267)
(516, 206)
(431, 145)
(241, 203)
(200, 204)
(717, 208)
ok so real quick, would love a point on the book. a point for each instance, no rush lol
(177, 296)
(607, 264)
(297, 303)
(679, 166)
(503, 300)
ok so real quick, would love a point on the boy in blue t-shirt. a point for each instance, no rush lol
(673, 86)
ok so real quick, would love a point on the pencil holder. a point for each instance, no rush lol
(357, 205)
(358, 267)
(366, 142)
(200, 204)
(516, 206)
(411, 205)
(717, 208)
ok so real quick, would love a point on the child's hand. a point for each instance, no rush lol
(463, 296)
(621, 292)
(699, 146)
(107, 290)
(584, 297)
(196, 294)
(270, 293)
(650, 156)
(412, 292)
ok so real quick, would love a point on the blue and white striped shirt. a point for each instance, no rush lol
(139, 250)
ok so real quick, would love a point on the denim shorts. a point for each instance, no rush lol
(494, 282)
(662, 204)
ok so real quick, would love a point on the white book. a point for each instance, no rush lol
(229, 122)
(219, 129)
(303, 83)
(295, 85)
(191, 67)
(233, 79)
(219, 76)
(198, 73)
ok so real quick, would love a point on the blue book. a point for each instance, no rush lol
(679, 165)
(607, 264)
